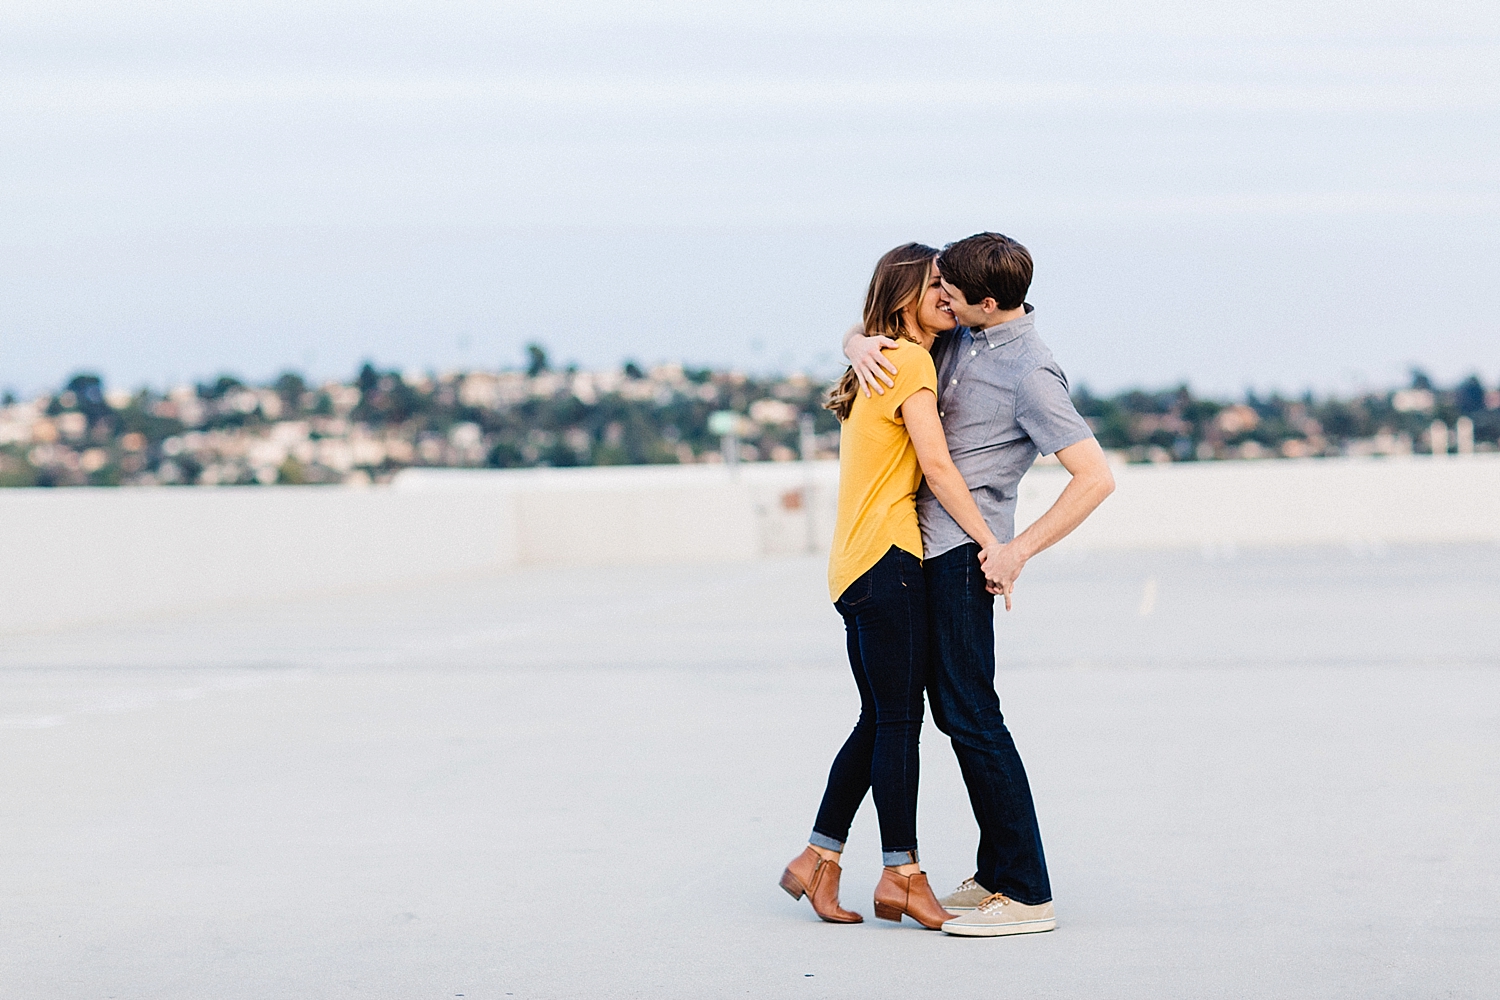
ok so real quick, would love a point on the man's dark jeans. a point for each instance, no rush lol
(885, 620)
(961, 687)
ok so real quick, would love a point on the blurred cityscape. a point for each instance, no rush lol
(292, 432)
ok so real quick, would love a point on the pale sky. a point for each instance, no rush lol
(1302, 194)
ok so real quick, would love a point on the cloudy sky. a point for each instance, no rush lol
(1295, 195)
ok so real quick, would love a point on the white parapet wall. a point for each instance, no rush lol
(89, 555)
(651, 513)
(78, 556)
(1215, 505)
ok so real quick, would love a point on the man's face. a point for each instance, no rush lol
(969, 315)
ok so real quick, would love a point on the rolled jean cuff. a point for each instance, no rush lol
(826, 842)
(893, 858)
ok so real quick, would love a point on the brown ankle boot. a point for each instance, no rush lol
(911, 895)
(818, 878)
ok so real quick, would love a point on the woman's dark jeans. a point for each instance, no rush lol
(885, 618)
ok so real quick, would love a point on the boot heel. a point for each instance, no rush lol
(792, 885)
(886, 911)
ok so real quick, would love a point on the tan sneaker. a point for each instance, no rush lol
(998, 914)
(967, 896)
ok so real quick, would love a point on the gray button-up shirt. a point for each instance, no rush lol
(1003, 401)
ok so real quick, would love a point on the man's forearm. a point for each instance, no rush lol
(857, 330)
(1080, 498)
(869, 364)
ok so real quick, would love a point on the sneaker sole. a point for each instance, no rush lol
(999, 930)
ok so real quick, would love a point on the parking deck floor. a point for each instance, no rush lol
(1267, 774)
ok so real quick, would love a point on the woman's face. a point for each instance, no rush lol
(930, 314)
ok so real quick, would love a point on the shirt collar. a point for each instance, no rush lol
(1004, 333)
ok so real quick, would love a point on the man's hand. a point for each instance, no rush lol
(869, 364)
(1002, 563)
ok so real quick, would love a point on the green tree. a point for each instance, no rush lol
(291, 472)
(219, 387)
(367, 379)
(290, 386)
(536, 360)
(1470, 396)
(15, 470)
(89, 390)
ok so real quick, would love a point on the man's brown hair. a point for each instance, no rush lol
(988, 266)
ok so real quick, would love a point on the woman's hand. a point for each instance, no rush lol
(1001, 563)
(869, 364)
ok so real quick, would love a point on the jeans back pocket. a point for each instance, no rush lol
(859, 591)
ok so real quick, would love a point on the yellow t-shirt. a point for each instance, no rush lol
(879, 474)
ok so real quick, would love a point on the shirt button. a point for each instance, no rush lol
(953, 381)
(972, 353)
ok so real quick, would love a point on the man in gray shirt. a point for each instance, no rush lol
(1003, 400)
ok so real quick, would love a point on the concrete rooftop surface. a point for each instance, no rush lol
(1262, 774)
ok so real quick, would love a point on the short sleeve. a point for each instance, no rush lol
(914, 372)
(1046, 412)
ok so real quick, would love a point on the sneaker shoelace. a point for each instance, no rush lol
(993, 902)
(967, 885)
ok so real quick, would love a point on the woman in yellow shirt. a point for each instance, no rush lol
(887, 444)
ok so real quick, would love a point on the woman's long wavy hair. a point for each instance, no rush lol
(900, 278)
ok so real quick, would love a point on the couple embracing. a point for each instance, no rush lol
(966, 396)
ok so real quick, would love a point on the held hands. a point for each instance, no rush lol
(869, 364)
(1002, 564)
